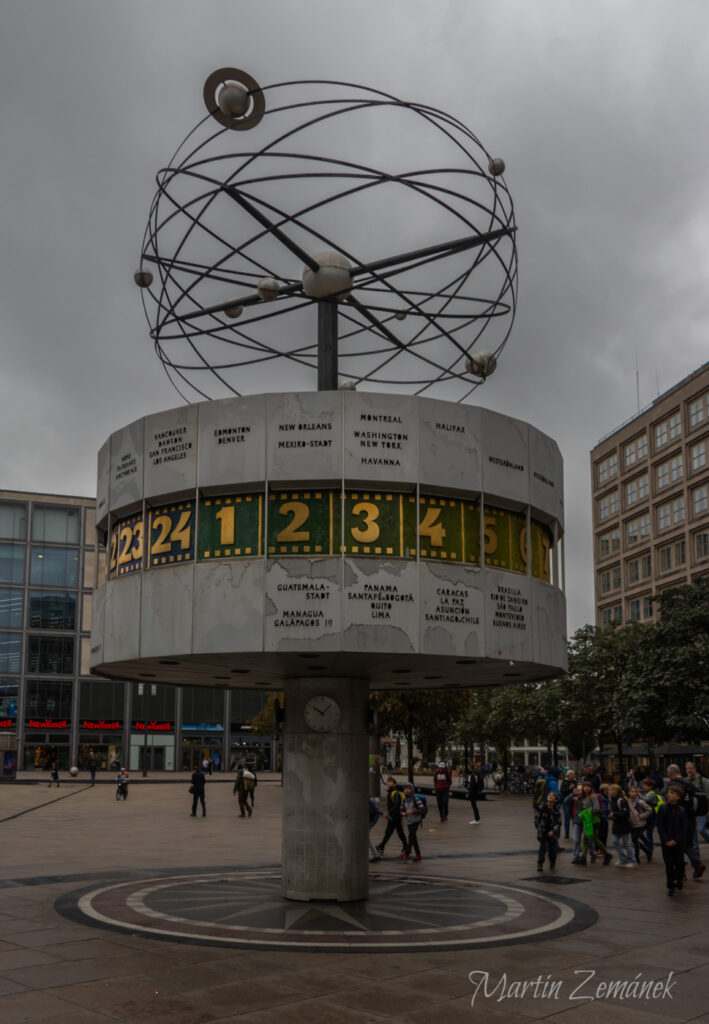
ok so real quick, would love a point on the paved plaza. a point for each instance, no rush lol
(135, 911)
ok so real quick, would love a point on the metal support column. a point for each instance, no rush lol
(327, 345)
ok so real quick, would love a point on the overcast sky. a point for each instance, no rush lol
(599, 109)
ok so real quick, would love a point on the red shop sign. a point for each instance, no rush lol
(100, 724)
(152, 726)
(47, 723)
(7, 723)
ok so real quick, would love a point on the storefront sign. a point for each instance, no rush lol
(47, 723)
(153, 726)
(100, 724)
(7, 723)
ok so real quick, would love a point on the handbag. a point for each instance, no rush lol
(191, 789)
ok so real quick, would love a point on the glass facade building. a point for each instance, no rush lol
(49, 563)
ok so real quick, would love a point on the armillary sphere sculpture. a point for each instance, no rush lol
(276, 210)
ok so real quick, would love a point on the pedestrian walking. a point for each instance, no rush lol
(412, 811)
(566, 787)
(476, 784)
(242, 792)
(197, 791)
(374, 816)
(395, 800)
(640, 814)
(53, 774)
(589, 812)
(92, 765)
(442, 784)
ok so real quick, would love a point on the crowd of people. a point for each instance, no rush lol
(649, 809)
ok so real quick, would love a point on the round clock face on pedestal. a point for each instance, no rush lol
(322, 714)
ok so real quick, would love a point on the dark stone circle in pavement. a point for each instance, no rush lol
(245, 909)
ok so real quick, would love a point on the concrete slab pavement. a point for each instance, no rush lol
(57, 842)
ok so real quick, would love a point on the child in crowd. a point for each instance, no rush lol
(620, 821)
(672, 832)
(547, 821)
(640, 813)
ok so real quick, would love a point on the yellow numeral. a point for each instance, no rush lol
(137, 549)
(292, 534)
(124, 546)
(161, 545)
(490, 535)
(225, 515)
(183, 530)
(428, 527)
(369, 513)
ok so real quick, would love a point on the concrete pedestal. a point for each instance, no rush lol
(325, 819)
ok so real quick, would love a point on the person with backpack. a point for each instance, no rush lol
(413, 811)
(622, 828)
(395, 799)
(690, 808)
(442, 784)
(539, 790)
(640, 814)
(701, 800)
(652, 797)
(242, 792)
(589, 814)
(476, 784)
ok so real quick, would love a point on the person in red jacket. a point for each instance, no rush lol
(442, 782)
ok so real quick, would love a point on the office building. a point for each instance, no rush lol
(650, 487)
(49, 564)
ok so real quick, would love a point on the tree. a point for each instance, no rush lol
(424, 716)
(680, 659)
(264, 723)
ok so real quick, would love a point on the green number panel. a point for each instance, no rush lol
(449, 529)
(304, 523)
(541, 546)
(380, 524)
(171, 533)
(230, 526)
(505, 539)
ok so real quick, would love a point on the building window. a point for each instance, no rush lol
(635, 450)
(634, 610)
(53, 654)
(662, 475)
(608, 506)
(51, 610)
(11, 602)
(701, 544)
(607, 469)
(54, 567)
(698, 410)
(643, 486)
(605, 582)
(675, 426)
(698, 455)
(10, 649)
(611, 615)
(54, 525)
(661, 436)
(609, 542)
(638, 529)
(676, 470)
(699, 500)
(678, 510)
(680, 552)
(9, 695)
(639, 568)
(664, 517)
(12, 563)
(13, 520)
(48, 699)
(665, 559)
(647, 607)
